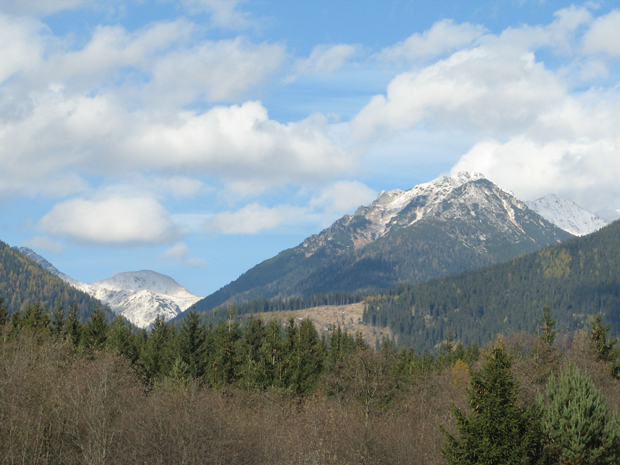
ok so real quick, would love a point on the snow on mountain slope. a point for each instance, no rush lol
(140, 296)
(567, 215)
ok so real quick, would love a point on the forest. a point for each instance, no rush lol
(99, 392)
(577, 278)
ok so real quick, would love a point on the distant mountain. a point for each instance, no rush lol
(449, 225)
(577, 278)
(139, 296)
(567, 215)
(23, 281)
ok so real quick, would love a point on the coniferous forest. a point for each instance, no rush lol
(99, 391)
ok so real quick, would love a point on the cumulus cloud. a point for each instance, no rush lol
(217, 71)
(536, 134)
(586, 170)
(323, 59)
(474, 89)
(112, 220)
(444, 36)
(180, 252)
(45, 243)
(604, 35)
(343, 197)
(253, 218)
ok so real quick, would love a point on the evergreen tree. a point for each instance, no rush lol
(192, 344)
(224, 360)
(58, 320)
(306, 359)
(576, 424)
(74, 326)
(95, 332)
(121, 338)
(497, 431)
(157, 353)
(251, 374)
(547, 324)
(35, 318)
(4, 314)
(272, 356)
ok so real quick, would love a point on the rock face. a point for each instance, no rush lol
(452, 224)
(140, 296)
(567, 215)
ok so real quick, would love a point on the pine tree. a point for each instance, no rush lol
(192, 344)
(576, 424)
(4, 314)
(58, 320)
(95, 334)
(497, 431)
(74, 326)
(157, 354)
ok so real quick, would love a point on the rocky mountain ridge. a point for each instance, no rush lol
(452, 224)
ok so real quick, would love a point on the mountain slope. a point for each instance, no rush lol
(140, 296)
(445, 226)
(576, 278)
(567, 215)
(23, 281)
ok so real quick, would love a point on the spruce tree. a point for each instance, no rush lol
(4, 313)
(497, 431)
(576, 424)
(95, 333)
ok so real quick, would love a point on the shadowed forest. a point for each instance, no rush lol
(99, 392)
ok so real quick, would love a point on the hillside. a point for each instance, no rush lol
(446, 226)
(23, 281)
(576, 278)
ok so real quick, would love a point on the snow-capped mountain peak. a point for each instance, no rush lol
(144, 280)
(567, 215)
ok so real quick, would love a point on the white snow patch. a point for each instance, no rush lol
(567, 215)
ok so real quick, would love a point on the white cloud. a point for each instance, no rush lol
(323, 59)
(180, 252)
(474, 89)
(253, 218)
(45, 243)
(585, 170)
(221, 70)
(111, 220)
(241, 144)
(536, 134)
(444, 36)
(343, 197)
(21, 46)
(604, 35)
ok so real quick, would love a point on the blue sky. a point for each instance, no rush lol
(197, 138)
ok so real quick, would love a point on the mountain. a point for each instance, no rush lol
(23, 281)
(567, 215)
(139, 296)
(576, 279)
(449, 225)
